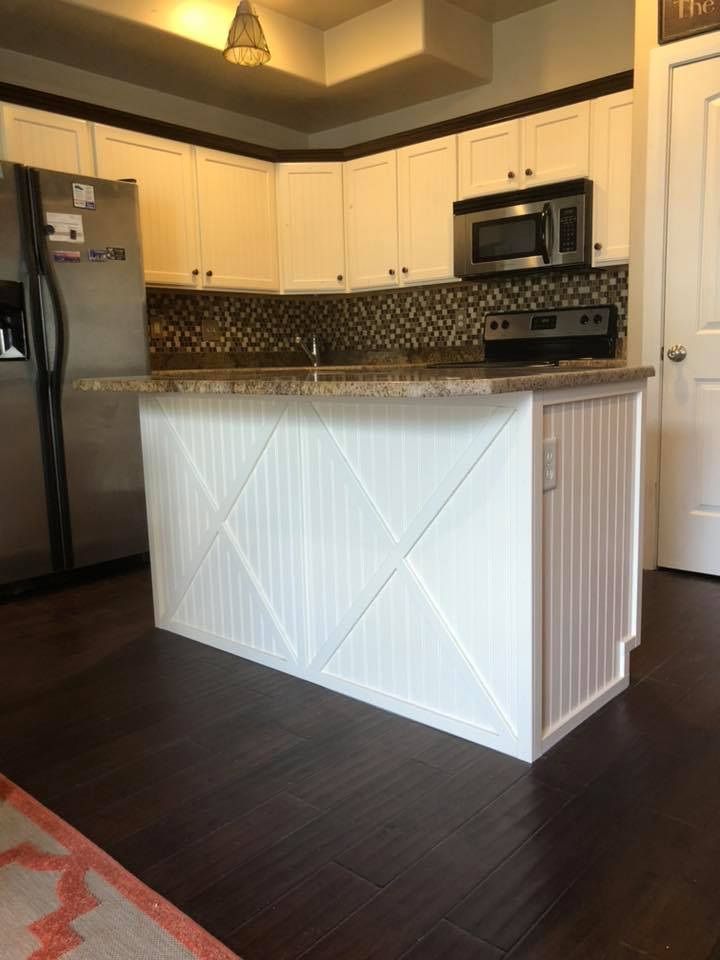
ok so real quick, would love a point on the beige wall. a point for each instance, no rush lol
(554, 46)
(18, 68)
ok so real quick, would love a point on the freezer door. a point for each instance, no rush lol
(95, 318)
(24, 534)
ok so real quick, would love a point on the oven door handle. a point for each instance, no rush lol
(546, 232)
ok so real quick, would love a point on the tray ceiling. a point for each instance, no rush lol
(332, 63)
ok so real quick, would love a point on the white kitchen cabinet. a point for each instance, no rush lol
(556, 144)
(238, 226)
(610, 168)
(46, 140)
(165, 174)
(371, 221)
(490, 159)
(311, 228)
(427, 188)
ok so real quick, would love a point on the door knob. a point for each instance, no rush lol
(677, 353)
(511, 175)
(340, 278)
(391, 272)
(405, 270)
(598, 246)
(529, 172)
(208, 273)
(196, 272)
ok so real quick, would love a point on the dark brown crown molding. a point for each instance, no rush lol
(40, 100)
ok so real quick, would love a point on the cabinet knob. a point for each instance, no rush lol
(511, 175)
(598, 245)
(405, 270)
(340, 278)
(208, 273)
(528, 172)
(391, 272)
(196, 272)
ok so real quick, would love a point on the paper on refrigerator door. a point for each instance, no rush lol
(65, 227)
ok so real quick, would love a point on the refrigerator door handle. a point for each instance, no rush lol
(55, 357)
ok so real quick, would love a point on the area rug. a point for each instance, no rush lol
(62, 898)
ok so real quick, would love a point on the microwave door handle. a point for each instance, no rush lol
(546, 232)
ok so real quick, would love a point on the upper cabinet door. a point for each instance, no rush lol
(46, 140)
(310, 217)
(164, 172)
(427, 188)
(371, 220)
(238, 229)
(490, 159)
(610, 167)
(556, 144)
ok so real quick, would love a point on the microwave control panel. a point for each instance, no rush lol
(568, 230)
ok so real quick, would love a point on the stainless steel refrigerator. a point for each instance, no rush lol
(72, 304)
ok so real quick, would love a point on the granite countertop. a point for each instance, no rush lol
(412, 381)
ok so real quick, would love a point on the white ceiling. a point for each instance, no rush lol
(325, 70)
(328, 13)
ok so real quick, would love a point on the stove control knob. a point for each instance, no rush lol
(597, 318)
(494, 325)
(584, 319)
(505, 324)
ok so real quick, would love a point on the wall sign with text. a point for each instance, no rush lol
(684, 18)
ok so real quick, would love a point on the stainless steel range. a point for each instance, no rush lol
(547, 337)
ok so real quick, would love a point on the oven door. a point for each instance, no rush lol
(520, 237)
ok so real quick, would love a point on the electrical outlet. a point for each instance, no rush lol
(210, 329)
(157, 325)
(550, 454)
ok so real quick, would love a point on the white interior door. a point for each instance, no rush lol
(46, 140)
(690, 459)
(238, 228)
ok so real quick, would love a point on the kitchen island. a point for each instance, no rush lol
(459, 546)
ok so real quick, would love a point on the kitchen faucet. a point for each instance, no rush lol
(312, 351)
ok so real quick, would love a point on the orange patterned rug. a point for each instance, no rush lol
(62, 898)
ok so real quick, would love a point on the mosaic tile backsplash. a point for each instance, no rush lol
(438, 316)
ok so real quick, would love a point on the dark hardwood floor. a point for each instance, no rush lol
(293, 822)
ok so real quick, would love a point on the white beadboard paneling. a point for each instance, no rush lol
(416, 445)
(224, 600)
(223, 448)
(589, 529)
(173, 491)
(345, 538)
(268, 527)
(400, 649)
(470, 560)
(386, 549)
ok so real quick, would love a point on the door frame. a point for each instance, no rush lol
(663, 62)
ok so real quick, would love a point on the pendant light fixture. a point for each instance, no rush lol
(246, 43)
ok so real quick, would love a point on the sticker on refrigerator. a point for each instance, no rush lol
(115, 253)
(65, 227)
(83, 196)
(97, 256)
(66, 256)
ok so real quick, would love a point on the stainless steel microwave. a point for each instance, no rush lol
(540, 228)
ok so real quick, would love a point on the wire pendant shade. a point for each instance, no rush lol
(246, 43)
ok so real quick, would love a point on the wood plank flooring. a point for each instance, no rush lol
(293, 822)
